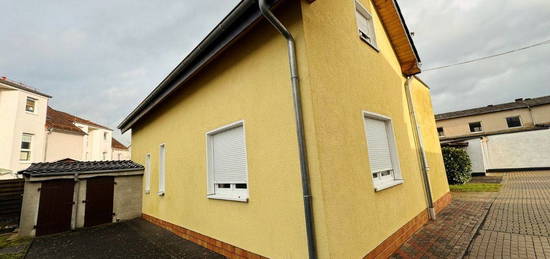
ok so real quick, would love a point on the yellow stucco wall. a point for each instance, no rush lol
(249, 82)
(425, 118)
(341, 77)
(347, 77)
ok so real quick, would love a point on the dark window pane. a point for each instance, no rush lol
(25, 145)
(475, 127)
(513, 122)
(224, 185)
(240, 186)
(440, 132)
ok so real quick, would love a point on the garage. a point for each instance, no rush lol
(68, 194)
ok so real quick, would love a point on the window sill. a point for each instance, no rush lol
(33, 113)
(25, 162)
(227, 198)
(370, 44)
(387, 185)
(147, 192)
(161, 194)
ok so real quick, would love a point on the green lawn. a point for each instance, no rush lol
(476, 187)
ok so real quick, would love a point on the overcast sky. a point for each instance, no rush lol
(99, 59)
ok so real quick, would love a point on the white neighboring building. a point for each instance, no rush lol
(22, 119)
(69, 136)
(32, 132)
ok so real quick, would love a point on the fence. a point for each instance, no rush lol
(11, 197)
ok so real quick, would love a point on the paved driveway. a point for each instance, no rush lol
(130, 239)
(518, 222)
(514, 223)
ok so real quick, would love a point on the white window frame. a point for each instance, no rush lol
(368, 35)
(520, 122)
(147, 173)
(29, 150)
(394, 178)
(162, 170)
(33, 106)
(213, 191)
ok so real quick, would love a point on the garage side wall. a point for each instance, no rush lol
(127, 198)
(529, 149)
(29, 208)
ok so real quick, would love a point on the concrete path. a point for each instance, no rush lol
(130, 239)
(513, 223)
(518, 222)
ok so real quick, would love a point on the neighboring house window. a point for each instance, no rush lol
(440, 132)
(475, 127)
(25, 154)
(365, 24)
(382, 151)
(227, 163)
(162, 169)
(147, 173)
(104, 135)
(30, 104)
(513, 122)
(119, 156)
(104, 155)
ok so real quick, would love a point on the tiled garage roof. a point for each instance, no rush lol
(64, 167)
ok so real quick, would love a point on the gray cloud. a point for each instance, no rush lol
(451, 31)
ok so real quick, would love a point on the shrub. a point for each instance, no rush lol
(457, 164)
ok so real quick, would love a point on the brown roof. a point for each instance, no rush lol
(5, 80)
(63, 121)
(116, 144)
(518, 104)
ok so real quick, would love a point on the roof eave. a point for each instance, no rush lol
(239, 20)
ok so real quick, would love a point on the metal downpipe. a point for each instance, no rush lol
(422, 154)
(296, 96)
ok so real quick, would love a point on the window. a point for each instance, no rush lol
(162, 169)
(440, 132)
(365, 25)
(104, 135)
(382, 151)
(227, 163)
(30, 104)
(104, 156)
(25, 154)
(147, 173)
(513, 122)
(119, 156)
(475, 127)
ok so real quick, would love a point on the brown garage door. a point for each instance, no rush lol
(99, 201)
(55, 207)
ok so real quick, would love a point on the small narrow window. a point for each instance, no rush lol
(147, 173)
(104, 155)
(227, 164)
(162, 169)
(513, 122)
(475, 127)
(25, 153)
(30, 104)
(440, 131)
(105, 135)
(382, 151)
(365, 24)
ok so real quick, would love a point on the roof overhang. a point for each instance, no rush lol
(399, 35)
(243, 17)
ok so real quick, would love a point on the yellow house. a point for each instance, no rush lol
(337, 159)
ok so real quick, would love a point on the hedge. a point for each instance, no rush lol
(457, 165)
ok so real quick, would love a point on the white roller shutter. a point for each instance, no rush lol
(378, 145)
(229, 156)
